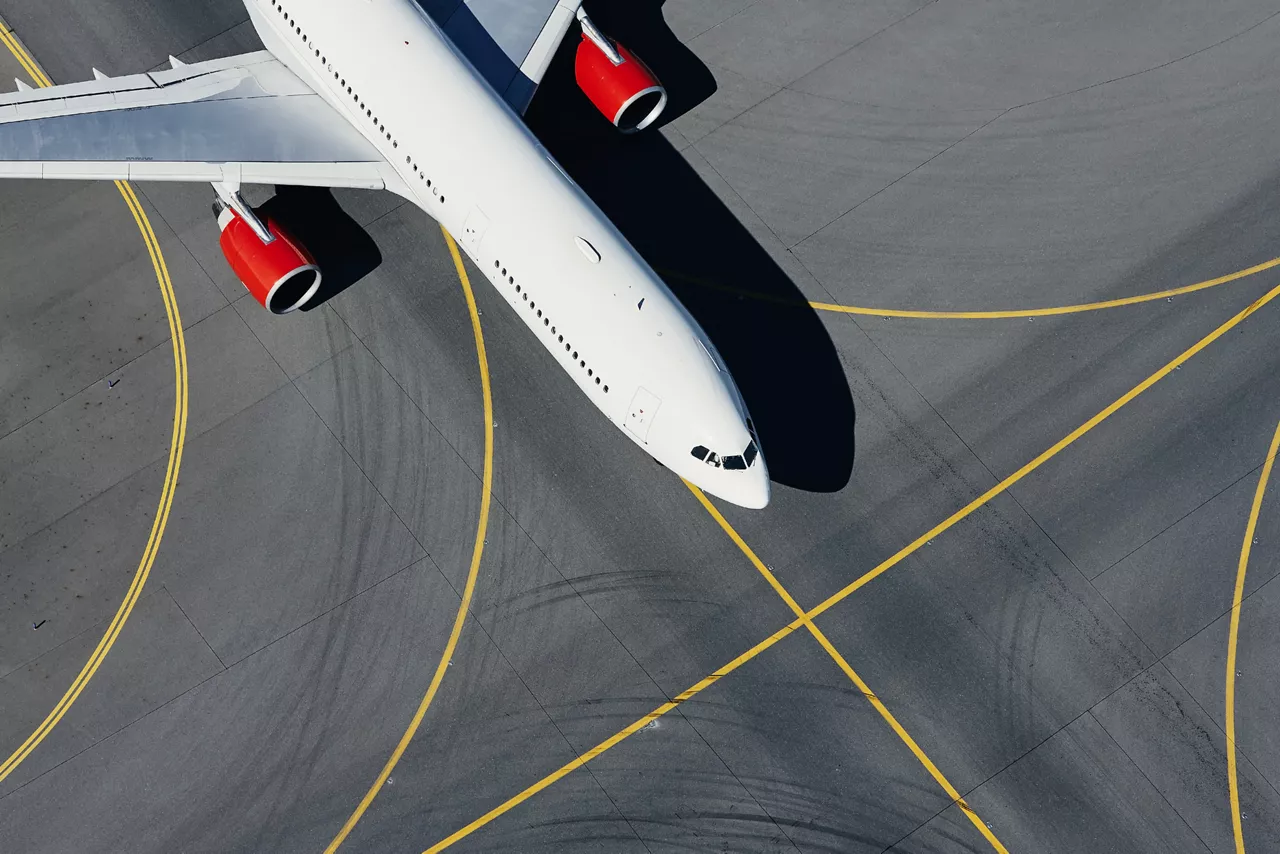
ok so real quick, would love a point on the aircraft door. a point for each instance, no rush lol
(473, 228)
(640, 414)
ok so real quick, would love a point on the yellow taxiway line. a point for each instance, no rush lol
(709, 680)
(477, 552)
(176, 444)
(1232, 784)
(844, 665)
(1079, 308)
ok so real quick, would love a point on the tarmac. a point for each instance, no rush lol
(1058, 655)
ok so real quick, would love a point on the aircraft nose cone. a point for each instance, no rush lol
(754, 493)
(750, 489)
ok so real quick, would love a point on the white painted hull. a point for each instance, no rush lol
(579, 286)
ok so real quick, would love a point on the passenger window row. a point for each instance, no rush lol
(546, 323)
(355, 97)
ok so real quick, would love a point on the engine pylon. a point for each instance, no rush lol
(617, 81)
(282, 275)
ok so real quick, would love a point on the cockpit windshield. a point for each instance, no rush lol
(732, 462)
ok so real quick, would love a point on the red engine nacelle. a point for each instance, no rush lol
(281, 275)
(628, 94)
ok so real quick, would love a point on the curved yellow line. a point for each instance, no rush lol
(176, 443)
(166, 493)
(784, 632)
(1232, 783)
(923, 758)
(476, 552)
(989, 315)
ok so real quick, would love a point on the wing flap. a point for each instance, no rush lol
(209, 121)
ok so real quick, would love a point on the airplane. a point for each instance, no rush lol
(423, 99)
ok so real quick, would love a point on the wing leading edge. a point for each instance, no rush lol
(244, 119)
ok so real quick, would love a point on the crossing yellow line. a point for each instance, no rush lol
(176, 443)
(844, 665)
(1232, 783)
(707, 681)
(476, 552)
(987, 315)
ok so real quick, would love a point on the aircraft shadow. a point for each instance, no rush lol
(343, 250)
(774, 344)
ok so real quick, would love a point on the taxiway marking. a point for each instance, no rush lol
(1232, 784)
(902, 554)
(844, 665)
(175, 449)
(990, 315)
(476, 553)
(33, 71)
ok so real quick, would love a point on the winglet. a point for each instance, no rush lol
(98, 75)
(174, 62)
(22, 87)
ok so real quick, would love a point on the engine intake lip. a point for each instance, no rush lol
(294, 289)
(632, 115)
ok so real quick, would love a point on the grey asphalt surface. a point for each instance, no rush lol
(1059, 655)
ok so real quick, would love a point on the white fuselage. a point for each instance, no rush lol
(461, 154)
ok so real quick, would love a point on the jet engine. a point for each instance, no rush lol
(281, 274)
(620, 85)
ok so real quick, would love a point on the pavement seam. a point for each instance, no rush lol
(64, 642)
(1150, 782)
(1054, 543)
(427, 554)
(1089, 711)
(1158, 661)
(745, 203)
(1177, 522)
(183, 611)
(190, 437)
(217, 675)
(851, 48)
(1218, 43)
(569, 582)
(895, 181)
(131, 361)
(366, 226)
(551, 720)
(345, 450)
(744, 9)
(690, 142)
(763, 809)
(784, 87)
(984, 465)
(1009, 492)
(164, 66)
(122, 366)
(183, 243)
(498, 502)
(1256, 769)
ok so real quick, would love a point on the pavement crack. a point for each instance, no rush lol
(196, 628)
(1158, 534)
(895, 181)
(1157, 67)
(163, 66)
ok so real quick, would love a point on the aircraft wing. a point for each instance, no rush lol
(510, 42)
(242, 118)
